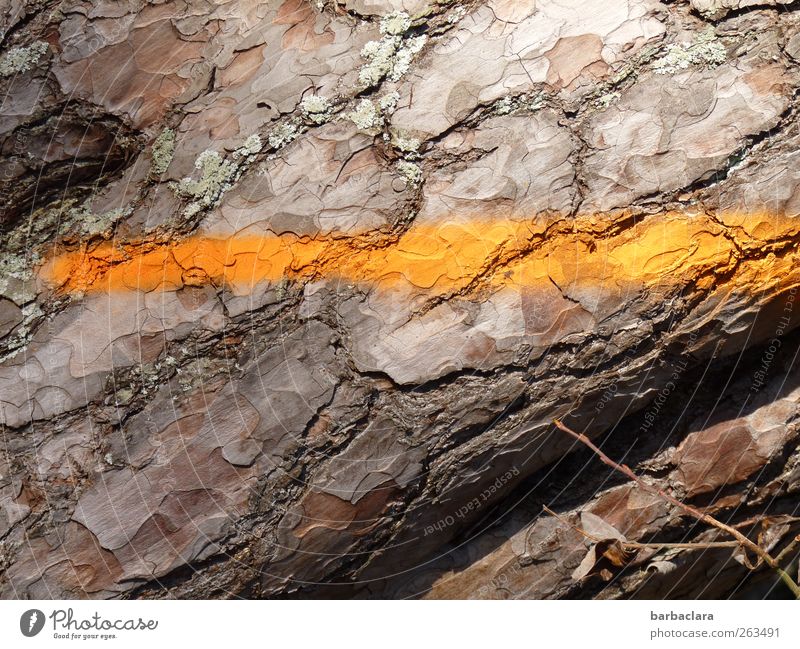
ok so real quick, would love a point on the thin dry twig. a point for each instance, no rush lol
(744, 542)
(635, 545)
(788, 549)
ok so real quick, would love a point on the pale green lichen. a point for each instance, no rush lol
(410, 172)
(380, 57)
(458, 13)
(163, 150)
(406, 144)
(124, 396)
(395, 23)
(504, 106)
(316, 109)
(366, 115)
(391, 56)
(388, 103)
(405, 55)
(22, 59)
(606, 99)
(536, 102)
(150, 377)
(217, 175)
(15, 275)
(18, 284)
(31, 313)
(283, 134)
(31, 310)
(522, 103)
(250, 147)
(194, 373)
(96, 224)
(705, 50)
(67, 216)
(14, 267)
(6, 550)
(282, 289)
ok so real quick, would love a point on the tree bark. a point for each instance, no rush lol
(293, 291)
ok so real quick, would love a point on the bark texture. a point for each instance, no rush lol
(292, 291)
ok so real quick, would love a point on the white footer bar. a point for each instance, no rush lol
(386, 625)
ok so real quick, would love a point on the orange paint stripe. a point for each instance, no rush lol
(450, 256)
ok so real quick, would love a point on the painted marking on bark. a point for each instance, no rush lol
(452, 256)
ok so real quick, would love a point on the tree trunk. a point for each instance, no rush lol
(293, 291)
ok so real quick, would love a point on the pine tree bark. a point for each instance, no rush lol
(293, 291)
